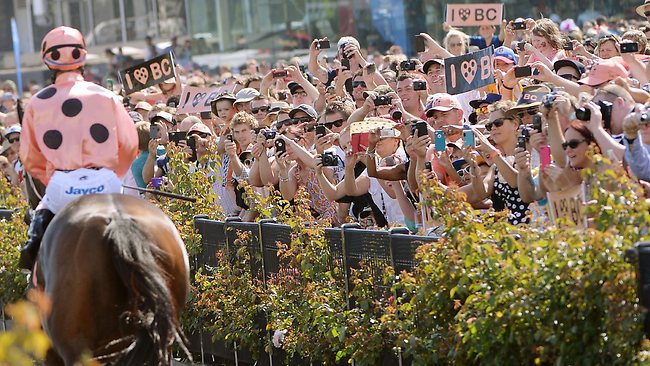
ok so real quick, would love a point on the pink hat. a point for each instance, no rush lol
(442, 102)
(199, 128)
(604, 71)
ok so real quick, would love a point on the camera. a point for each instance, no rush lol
(522, 138)
(280, 147)
(229, 138)
(606, 111)
(279, 73)
(342, 48)
(583, 114)
(629, 47)
(519, 25)
(420, 128)
(419, 43)
(329, 159)
(408, 65)
(396, 115)
(323, 44)
(383, 100)
(345, 63)
(419, 85)
(549, 99)
(269, 135)
(320, 130)
(537, 122)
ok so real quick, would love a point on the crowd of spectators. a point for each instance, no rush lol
(296, 127)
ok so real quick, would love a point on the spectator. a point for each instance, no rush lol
(455, 42)
(486, 37)
(244, 98)
(608, 47)
(637, 151)
(143, 108)
(142, 167)
(150, 49)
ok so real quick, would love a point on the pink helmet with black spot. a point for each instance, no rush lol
(64, 48)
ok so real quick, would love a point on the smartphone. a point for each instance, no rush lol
(153, 131)
(519, 25)
(440, 140)
(229, 137)
(419, 43)
(206, 115)
(523, 71)
(192, 144)
(419, 85)
(521, 46)
(568, 46)
(468, 138)
(629, 47)
(427, 166)
(280, 146)
(323, 44)
(320, 130)
(421, 128)
(279, 74)
(521, 141)
(544, 156)
(537, 122)
(178, 136)
(371, 68)
(345, 63)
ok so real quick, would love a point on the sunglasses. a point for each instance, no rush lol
(464, 171)
(260, 109)
(531, 111)
(337, 123)
(356, 84)
(572, 144)
(496, 123)
(483, 109)
(13, 139)
(303, 119)
(202, 135)
(455, 44)
(286, 122)
(569, 77)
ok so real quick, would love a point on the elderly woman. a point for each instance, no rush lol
(608, 47)
(456, 42)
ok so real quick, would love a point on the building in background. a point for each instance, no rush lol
(269, 29)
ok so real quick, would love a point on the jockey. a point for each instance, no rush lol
(77, 138)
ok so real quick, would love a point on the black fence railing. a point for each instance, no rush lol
(349, 246)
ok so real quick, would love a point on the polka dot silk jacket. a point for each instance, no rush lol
(75, 124)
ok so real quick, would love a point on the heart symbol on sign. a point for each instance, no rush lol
(197, 98)
(464, 13)
(468, 70)
(141, 75)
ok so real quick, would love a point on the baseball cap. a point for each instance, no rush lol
(293, 87)
(12, 129)
(429, 63)
(200, 128)
(442, 102)
(571, 63)
(488, 99)
(505, 54)
(602, 72)
(143, 105)
(8, 96)
(531, 96)
(164, 116)
(311, 112)
(246, 95)
(135, 116)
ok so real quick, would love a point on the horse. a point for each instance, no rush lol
(116, 274)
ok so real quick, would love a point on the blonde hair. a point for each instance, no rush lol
(548, 29)
(143, 129)
(456, 33)
(244, 118)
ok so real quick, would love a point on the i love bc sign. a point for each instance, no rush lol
(148, 73)
(470, 71)
(474, 14)
(196, 100)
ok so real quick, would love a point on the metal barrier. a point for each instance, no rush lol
(349, 246)
(5, 214)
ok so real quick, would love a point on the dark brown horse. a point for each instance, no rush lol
(116, 272)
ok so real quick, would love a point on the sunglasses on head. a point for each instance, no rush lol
(260, 109)
(572, 144)
(496, 123)
(483, 109)
(359, 83)
(13, 139)
(337, 123)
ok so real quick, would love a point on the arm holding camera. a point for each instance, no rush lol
(528, 190)
(301, 153)
(354, 186)
(493, 155)
(637, 152)
(237, 167)
(637, 69)
(149, 167)
(298, 77)
(393, 173)
(602, 137)
(331, 191)
(314, 67)
(554, 129)
(433, 48)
